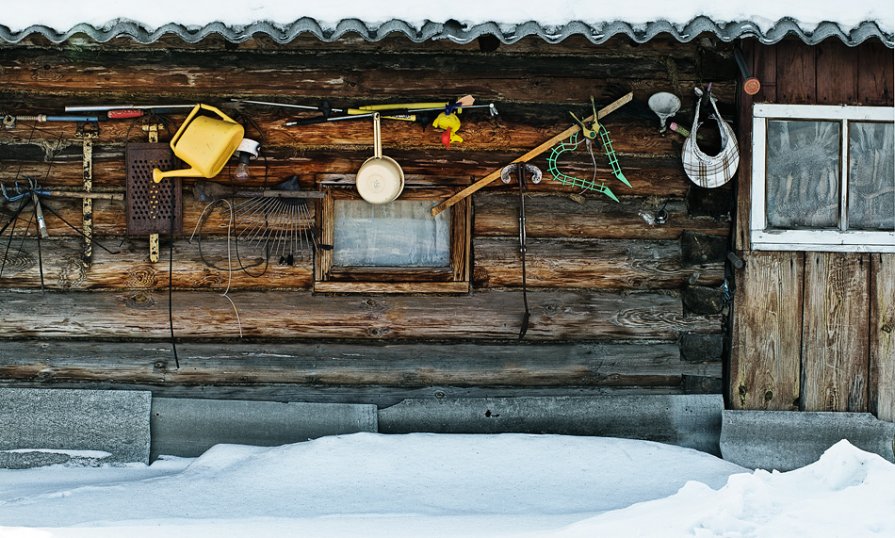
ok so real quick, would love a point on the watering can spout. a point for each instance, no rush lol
(204, 143)
(158, 175)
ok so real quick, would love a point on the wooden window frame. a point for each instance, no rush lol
(453, 279)
(811, 240)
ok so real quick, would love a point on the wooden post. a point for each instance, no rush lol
(87, 132)
(480, 184)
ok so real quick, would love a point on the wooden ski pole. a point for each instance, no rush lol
(480, 184)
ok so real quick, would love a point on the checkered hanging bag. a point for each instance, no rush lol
(710, 171)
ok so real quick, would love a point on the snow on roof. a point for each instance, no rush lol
(461, 20)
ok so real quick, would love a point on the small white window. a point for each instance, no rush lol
(398, 247)
(823, 178)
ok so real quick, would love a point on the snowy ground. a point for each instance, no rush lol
(375, 485)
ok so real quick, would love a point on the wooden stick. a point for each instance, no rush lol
(478, 185)
(82, 195)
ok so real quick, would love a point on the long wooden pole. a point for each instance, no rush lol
(478, 185)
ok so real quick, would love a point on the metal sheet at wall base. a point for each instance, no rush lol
(787, 440)
(692, 421)
(188, 427)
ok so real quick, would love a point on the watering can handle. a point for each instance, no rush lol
(192, 114)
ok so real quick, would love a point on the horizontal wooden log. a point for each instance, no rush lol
(345, 74)
(519, 126)
(496, 214)
(597, 217)
(358, 373)
(598, 264)
(603, 264)
(396, 365)
(381, 396)
(649, 175)
(127, 267)
(556, 315)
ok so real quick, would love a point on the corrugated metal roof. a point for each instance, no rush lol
(457, 32)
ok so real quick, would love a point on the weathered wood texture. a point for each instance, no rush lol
(590, 264)
(556, 316)
(881, 338)
(834, 340)
(766, 343)
(825, 347)
(600, 271)
(343, 371)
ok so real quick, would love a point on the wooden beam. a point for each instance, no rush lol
(595, 264)
(478, 185)
(409, 365)
(358, 372)
(556, 215)
(556, 316)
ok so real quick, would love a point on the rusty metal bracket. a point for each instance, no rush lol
(152, 134)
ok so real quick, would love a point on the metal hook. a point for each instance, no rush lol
(596, 123)
(662, 214)
(534, 171)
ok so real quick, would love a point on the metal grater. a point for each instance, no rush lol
(148, 205)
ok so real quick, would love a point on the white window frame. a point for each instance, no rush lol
(811, 240)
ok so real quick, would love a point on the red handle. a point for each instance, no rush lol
(125, 114)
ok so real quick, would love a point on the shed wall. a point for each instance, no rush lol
(618, 304)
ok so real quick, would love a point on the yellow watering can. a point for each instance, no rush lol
(204, 143)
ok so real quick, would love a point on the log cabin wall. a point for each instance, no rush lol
(619, 303)
(812, 331)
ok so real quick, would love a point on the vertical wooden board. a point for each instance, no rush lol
(764, 66)
(837, 73)
(767, 321)
(882, 336)
(875, 74)
(796, 73)
(835, 351)
(744, 174)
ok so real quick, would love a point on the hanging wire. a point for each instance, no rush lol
(202, 218)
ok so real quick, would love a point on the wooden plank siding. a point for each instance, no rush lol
(614, 297)
(834, 338)
(833, 353)
(881, 336)
(766, 341)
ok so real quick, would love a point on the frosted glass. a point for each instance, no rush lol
(402, 233)
(871, 176)
(803, 174)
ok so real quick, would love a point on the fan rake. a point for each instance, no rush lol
(275, 223)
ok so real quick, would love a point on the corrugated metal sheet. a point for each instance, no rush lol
(596, 33)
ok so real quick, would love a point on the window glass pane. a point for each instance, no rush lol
(803, 174)
(402, 233)
(871, 176)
